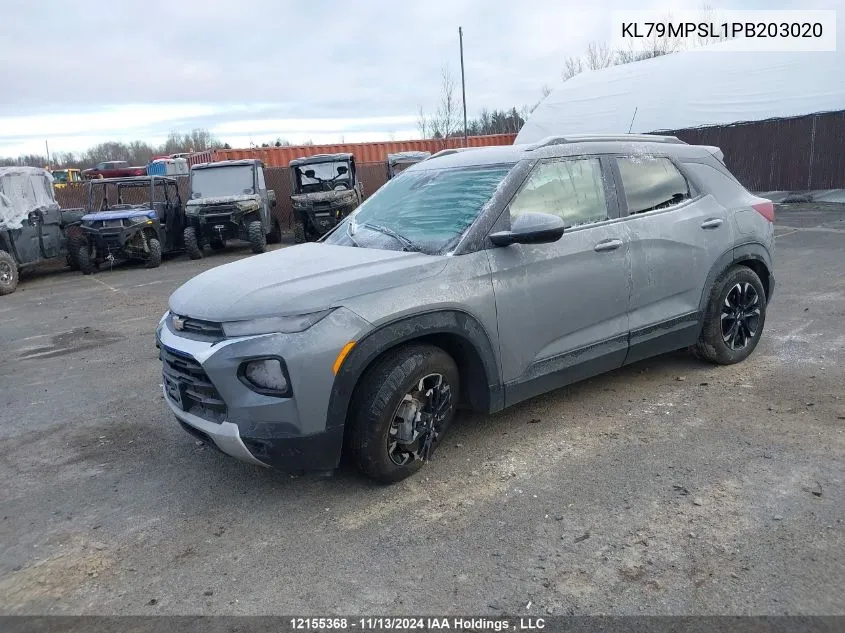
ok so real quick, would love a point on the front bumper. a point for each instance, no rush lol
(288, 433)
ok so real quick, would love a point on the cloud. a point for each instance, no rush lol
(273, 67)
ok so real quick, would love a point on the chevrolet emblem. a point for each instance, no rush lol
(178, 323)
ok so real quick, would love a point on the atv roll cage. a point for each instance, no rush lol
(128, 193)
(323, 172)
(399, 162)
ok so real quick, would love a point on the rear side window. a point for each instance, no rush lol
(651, 182)
(572, 189)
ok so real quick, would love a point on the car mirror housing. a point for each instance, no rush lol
(531, 228)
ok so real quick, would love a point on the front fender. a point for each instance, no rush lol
(453, 323)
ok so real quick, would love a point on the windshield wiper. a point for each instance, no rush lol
(349, 233)
(406, 243)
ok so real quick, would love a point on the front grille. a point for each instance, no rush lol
(187, 382)
(203, 328)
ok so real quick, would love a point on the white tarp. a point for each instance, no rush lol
(23, 190)
(691, 89)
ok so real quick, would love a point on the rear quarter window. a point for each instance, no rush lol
(727, 191)
(651, 182)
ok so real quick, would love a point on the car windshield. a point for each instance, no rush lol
(216, 182)
(426, 211)
(325, 175)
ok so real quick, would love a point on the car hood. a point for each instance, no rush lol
(118, 214)
(194, 202)
(298, 280)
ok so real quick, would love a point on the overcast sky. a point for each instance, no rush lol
(254, 70)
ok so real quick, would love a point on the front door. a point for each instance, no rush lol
(562, 307)
(676, 236)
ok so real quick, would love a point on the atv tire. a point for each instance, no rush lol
(154, 256)
(73, 244)
(275, 236)
(298, 233)
(192, 246)
(257, 238)
(8, 273)
(83, 258)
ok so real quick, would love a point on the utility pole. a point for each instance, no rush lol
(463, 84)
(47, 145)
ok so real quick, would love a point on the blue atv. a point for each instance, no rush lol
(145, 221)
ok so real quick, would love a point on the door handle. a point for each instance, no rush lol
(607, 245)
(712, 223)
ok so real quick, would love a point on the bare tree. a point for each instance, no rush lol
(422, 123)
(598, 56)
(572, 66)
(445, 121)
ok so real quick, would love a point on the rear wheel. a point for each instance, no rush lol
(734, 317)
(298, 233)
(401, 410)
(192, 243)
(257, 238)
(154, 256)
(275, 236)
(8, 273)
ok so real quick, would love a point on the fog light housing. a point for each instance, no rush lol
(267, 376)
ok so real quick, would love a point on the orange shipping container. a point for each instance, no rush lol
(375, 152)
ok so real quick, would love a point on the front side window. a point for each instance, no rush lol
(426, 211)
(651, 182)
(572, 189)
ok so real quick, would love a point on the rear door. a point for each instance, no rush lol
(562, 307)
(676, 234)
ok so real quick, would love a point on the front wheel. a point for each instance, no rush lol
(8, 273)
(192, 246)
(734, 317)
(275, 236)
(298, 233)
(83, 258)
(401, 410)
(257, 238)
(154, 256)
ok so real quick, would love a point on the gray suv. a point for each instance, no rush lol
(474, 279)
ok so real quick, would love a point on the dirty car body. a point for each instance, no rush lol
(33, 227)
(229, 200)
(477, 279)
(325, 190)
(136, 218)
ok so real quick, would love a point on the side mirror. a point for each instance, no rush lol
(531, 228)
(309, 173)
(342, 169)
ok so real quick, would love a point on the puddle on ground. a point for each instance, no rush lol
(74, 341)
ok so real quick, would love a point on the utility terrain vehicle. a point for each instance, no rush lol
(325, 190)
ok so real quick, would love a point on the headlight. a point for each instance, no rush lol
(266, 376)
(248, 206)
(269, 325)
(192, 210)
(300, 205)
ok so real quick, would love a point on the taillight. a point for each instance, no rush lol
(766, 208)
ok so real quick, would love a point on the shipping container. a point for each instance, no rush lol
(374, 152)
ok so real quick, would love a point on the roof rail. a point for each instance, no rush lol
(597, 138)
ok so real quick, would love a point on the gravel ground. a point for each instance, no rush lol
(667, 487)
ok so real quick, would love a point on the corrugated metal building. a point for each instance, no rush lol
(374, 152)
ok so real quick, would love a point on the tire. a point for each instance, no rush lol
(218, 245)
(83, 258)
(298, 233)
(154, 256)
(275, 236)
(257, 238)
(73, 244)
(192, 246)
(726, 339)
(376, 404)
(8, 273)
